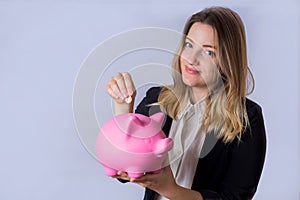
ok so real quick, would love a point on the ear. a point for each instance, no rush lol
(159, 118)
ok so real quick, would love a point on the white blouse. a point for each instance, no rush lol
(188, 141)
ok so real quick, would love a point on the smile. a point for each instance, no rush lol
(191, 71)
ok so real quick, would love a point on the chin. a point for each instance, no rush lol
(188, 82)
(192, 83)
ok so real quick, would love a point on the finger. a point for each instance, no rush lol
(116, 91)
(121, 84)
(121, 177)
(138, 180)
(143, 179)
(113, 89)
(141, 183)
(129, 84)
(111, 92)
(121, 173)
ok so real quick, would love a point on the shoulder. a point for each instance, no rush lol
(252, 107)
(254, 112)
(255, 134)
(152, 94)
(150, 98)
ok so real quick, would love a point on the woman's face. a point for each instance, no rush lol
(198, 56)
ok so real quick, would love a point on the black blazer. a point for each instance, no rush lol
(228, 171)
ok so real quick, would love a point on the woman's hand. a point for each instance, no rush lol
(163, 183)
(122, 90)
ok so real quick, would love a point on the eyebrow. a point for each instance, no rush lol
(204, 45)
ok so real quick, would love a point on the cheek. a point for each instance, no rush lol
(181, 64)
(183, 55)
(212, 75)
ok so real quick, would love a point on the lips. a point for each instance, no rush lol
(191, 71)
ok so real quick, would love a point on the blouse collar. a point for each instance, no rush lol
(190, 109)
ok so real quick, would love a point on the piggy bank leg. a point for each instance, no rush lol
(109, 171)
(135, 175)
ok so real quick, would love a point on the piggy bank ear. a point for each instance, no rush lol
(159, 118)
(131, 123)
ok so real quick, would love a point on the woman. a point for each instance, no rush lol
(219, 132)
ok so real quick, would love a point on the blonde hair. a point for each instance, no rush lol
(225, 112)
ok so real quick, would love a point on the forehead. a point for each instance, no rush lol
(202, 34)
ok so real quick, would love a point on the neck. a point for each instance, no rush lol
(198, 94)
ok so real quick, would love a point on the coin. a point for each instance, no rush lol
(128, 99)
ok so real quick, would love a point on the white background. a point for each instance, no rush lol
(42, 45)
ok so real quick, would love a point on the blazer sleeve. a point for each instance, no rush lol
(246, 161)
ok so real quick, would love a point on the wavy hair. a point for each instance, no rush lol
(225, 113)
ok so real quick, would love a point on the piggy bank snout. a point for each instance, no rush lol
(163, 146)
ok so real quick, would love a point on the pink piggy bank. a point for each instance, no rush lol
(133, 143)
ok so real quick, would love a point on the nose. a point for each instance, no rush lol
(193, 58)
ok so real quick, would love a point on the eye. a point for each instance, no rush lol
(210, 53)
(187, 45)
